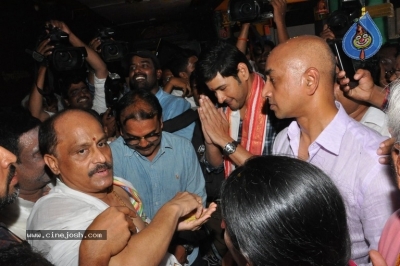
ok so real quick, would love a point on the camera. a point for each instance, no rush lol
(250, 10)
(64, 57)
(111, 50)
(339, 21)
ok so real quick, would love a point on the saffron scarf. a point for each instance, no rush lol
(254, 123)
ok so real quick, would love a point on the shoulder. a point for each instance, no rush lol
(176, 142)
(167, 100)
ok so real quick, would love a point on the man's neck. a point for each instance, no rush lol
(312, 125)
(33, 195)
(249, 84)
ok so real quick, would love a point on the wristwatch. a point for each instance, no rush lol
(188, 249)
(230, 147)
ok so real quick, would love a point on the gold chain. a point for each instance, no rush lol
(119, 198)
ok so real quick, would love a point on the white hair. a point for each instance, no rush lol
(394, 110)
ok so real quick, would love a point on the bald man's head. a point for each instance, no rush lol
(299, 71)
(303, 52)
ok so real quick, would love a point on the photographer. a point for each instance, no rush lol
(74, 88)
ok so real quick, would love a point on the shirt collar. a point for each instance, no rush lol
(330, 138)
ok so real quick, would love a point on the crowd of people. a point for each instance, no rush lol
(245, 153)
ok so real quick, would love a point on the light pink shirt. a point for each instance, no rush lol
(346, 151)
(389, 245)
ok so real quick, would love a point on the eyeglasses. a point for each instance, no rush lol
(134, 141)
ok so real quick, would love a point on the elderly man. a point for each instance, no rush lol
(159, 163)
(389, 244)
(75, 148)
(21, 135)
(300, 80)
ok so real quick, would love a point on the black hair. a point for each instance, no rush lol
(69, 78)
(222, 58)
(283, 211)
(136, 97)
(47, 131)
(15, 121)
(178, 64)
(21, 254)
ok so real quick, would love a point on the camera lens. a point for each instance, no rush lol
(63, 56)
(246, 8)
(112, 50)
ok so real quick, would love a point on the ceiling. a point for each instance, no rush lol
(130, 12)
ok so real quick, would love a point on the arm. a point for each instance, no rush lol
(279, 19)
(241, 42)
(35, 103)
(180, 83)
(366, 90)
(216, 133)
(149, 246)
(93, 59)
(119, 228)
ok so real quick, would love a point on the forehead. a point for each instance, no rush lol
(138, 60)
(218, 82)
(78, 85)
(29, 138)
(75, 126)
(141, 127)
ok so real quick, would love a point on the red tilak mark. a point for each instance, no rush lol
(94, 139)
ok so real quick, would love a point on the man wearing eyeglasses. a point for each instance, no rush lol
(158, 163)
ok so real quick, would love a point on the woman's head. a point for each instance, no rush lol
(284, 211)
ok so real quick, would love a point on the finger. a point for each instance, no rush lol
(376, 258)
(126, 211)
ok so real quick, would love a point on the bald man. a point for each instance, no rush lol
(300, 84)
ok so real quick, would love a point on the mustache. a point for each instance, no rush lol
(144, 148)
(100, 167)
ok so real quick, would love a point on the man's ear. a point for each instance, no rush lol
(158, 73)
(310, 80)
(243, 71)
(52, 162)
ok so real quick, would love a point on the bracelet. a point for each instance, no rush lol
(243, 39)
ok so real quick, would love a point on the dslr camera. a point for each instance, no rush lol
(64, 57)
(250, 10)
(111, 50)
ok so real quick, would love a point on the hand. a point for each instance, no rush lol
(119, 225)
(197, 222)
(365, 88)
(59, 24)
(182, 84)
(214, 124)
(44, 48)
(279, 10)
(109, 124)
(95, 44)
(385, 149)
(376, 258)
(326, 33)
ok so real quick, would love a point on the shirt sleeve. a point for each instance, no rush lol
(380, 199)
(99, 99)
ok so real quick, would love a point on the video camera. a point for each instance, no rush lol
(111, 50)
(64, 57)
(250, 10)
